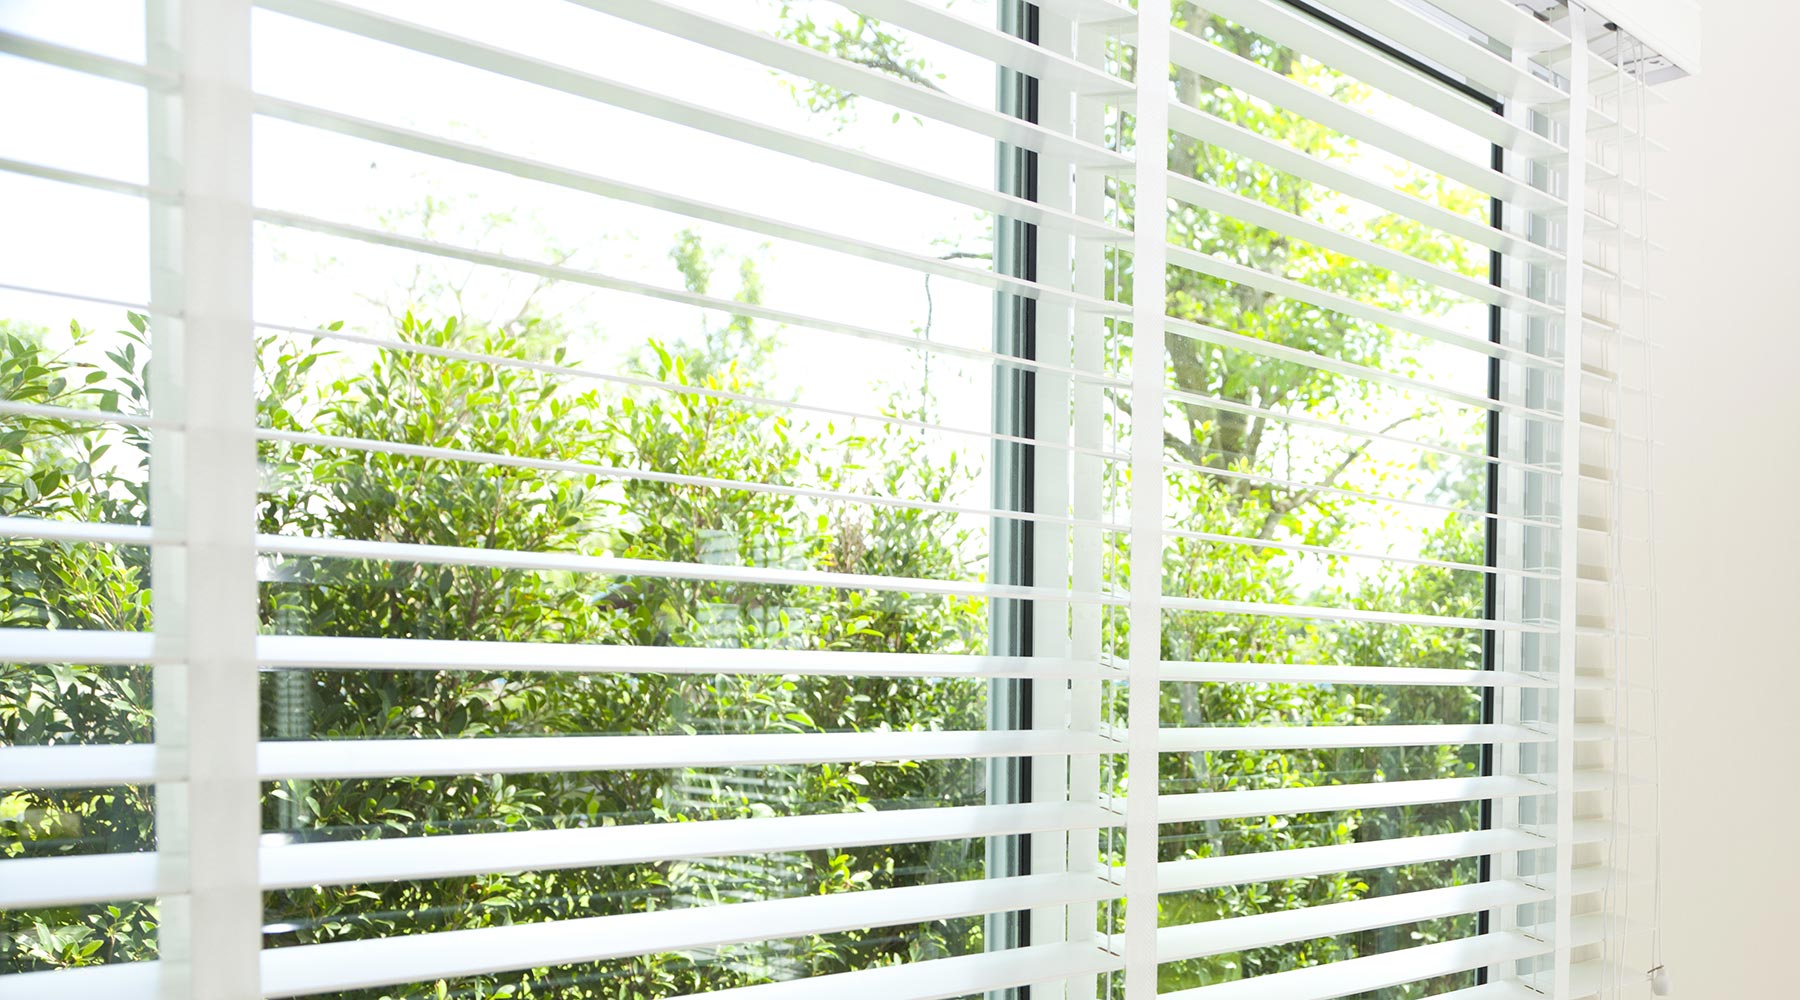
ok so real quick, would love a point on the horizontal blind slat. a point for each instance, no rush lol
(1242, 274)
(1208, 128)
(940, 978)
(85, 646)
(1202, 195)
(1324, 673)
(469, 52)
(319, 968)
(1505, 22)
(118, 981)
(575, 180)
(569, 562)
(671, 478)
(1373, 972)
(1272, 866)
(781, 54)
(1197, 54)
(1302, 737)
(1324, 613)
(83, 61)
(677, 388)
(579, 276)
(1230, 934)
(1340, 491)
(1286, 416)
(406, 858)
(351, 652)
(76, 178)
(30, 883)
(908, 341)
(1281, 352)
(1348, 55)
(73, 880)
(1431, 38)
(1328, 551)
(363, 758)
(89, 765)
(1250, 803)
(143, 308)
(83, 415)
(1049, 67)
(1503, 990)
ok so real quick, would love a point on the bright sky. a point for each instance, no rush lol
(92, 243)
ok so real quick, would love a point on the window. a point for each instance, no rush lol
(592, 498)
(747, 455)
(1328, 497)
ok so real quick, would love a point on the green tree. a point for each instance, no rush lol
(652, 467)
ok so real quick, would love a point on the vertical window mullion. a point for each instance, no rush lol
(1149, 257)
(1011, 634)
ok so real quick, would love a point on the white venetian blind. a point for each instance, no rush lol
(799, 500)
(1378, 202)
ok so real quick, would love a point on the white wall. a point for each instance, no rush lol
(1728, 526)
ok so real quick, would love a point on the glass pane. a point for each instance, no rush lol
(566, 364)
(75, 455)
(1353, 475)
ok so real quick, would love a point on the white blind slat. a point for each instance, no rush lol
(1357, 59)
(549, 562)
(29, 645)
(401, 858)
(1262, 737)
(120, 981)
(781, 54)
(727, 126)
(1230, 934)
(1505, 22)
(1436, 40)
(89, 765)
(338, 443)
(83, 61)
(1325, 613)
(1206, 196)
(1294, 355)
(1269, 324)
(1310, 673)
(1051, 68)
(575, 180)
(1210, 60)
(347, 652)
(1211, 129)
(1374, 972)
(306, 969)
(1225, 270)
(1271, 866)
(1202, 806)
(31, 883)
(941, 978)
(285, 761)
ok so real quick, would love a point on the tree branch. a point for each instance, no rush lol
(1281, 508)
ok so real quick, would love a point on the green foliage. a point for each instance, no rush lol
(658, 463)
(1278, 482)
(572, 438)
(59, 467)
